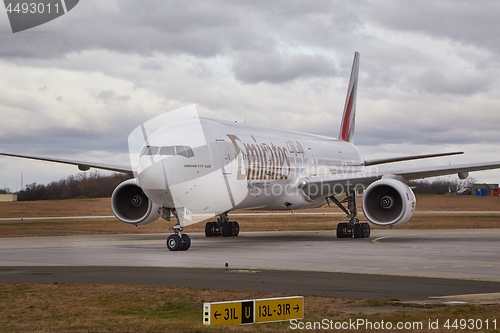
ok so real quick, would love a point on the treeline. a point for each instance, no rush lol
(82, 185)
(442, 186)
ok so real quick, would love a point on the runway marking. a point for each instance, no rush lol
(378, 240)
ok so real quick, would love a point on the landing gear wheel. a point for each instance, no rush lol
(174, 242)
(341, 230)
(209, 229)
(345, 230)
(186, 242)
(361, 230)
(215, 229)
(353, 227)
(222, 227)
(366, 230)
(235, 228)
(358, 230)
(226, 229)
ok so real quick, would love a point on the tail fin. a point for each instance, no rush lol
(349, 117)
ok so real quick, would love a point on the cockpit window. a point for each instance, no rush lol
(189, 152)
(149, 150)
(168, 150)
(180, 150)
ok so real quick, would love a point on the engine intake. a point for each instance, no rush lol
(388, 203)
(131, 205)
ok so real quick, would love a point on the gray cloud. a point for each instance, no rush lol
(109, 95)
(238, 29)
(274, 67)
(465, 82)
(455, 20)
(63, 142)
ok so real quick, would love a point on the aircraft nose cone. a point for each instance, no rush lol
(155, 174)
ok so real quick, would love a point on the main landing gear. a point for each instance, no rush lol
(222, 227)
(353, 227)
(177, 241)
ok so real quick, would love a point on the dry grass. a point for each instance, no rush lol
(111, 308)
(72, 207)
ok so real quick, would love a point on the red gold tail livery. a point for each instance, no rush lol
(349, 117)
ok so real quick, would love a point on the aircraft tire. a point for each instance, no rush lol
(358, 230)
(349, 232)
(209, 229)
(174, 242)
(366, 230)
(235, 228)
(226, 230)
(187, 242)
(340, 230)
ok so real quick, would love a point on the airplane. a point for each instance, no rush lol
(190, 168)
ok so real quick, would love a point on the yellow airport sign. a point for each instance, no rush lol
(279, 309)
(253, 311)
(228, 313)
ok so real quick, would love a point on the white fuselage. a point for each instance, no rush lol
(237, 166)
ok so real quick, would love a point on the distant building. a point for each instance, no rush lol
(8, 197)
(493, 190)
(482, 190)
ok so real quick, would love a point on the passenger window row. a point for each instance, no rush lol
(168, 150)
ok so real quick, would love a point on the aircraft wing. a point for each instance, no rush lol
(324, 186)
(417, 173)
(408, 158)
(82, 165)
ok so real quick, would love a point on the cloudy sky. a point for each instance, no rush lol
(76, 86)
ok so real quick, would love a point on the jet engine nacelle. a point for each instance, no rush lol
(388, 203)
(131, 205)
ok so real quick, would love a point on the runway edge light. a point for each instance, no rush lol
(253, 311)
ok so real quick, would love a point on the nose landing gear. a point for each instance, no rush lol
(177, 241)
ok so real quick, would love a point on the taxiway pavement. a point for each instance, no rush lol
(400, 264)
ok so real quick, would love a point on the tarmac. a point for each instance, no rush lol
(406, 265)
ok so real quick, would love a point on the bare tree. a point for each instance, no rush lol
(440, 186)
(82, 185)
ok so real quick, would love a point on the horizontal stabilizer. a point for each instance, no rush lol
(408, 158)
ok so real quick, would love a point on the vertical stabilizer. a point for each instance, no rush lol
(349, 117)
